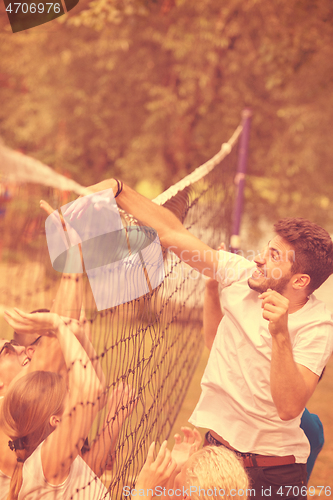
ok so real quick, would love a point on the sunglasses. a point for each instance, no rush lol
(10, 346)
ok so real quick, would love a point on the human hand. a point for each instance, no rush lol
(121, 403)
(156, 472)
(31, 323)
(97, 199)
(183, 449)
(275, 311)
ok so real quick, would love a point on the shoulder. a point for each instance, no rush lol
(312, 335)
(233, 267)
(316, 312)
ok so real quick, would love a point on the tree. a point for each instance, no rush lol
(143, 89)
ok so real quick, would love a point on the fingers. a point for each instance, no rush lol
(196, 441)
(45, 206)
(8, 315)
(274, 298)
(162, 454)
(38, 321)
(197, 436)
(77, 208)
(164, 462)
(158, 471)
(267, 295)
(188, 435)
(24, 314)
(17, 315)
(163, 457)
(150, 456)
(178, 439)
(122, 402)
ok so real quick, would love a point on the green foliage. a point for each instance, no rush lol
(146, 90)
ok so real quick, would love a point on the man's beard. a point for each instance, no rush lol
(277, 285)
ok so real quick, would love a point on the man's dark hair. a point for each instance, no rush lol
(40, 311)
(313, 249)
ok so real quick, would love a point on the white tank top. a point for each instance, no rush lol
(81, 483)
(4, 485)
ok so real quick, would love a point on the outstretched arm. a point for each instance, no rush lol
(120, 405)
(84, 402)
(170, 230)
(68, 300)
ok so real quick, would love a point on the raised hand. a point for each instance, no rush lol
(156, 472)
(38, 322)
(121, 404)
(185, 447)
(78, 207)
(275, 310)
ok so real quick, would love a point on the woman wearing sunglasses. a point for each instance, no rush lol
(48, 422)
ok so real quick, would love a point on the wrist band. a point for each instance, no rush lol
(120, 188)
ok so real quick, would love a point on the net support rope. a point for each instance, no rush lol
(201, 171)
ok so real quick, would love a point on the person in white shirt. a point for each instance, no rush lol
(48, 424)
(212, 316)
(271, 345)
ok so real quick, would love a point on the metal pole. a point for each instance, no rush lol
(240, 179)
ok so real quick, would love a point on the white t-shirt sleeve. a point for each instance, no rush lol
(313, 346)
(232, 268)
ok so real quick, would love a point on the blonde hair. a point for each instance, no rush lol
(25, 415)
(217, 469)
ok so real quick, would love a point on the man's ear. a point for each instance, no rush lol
(300, 281)
(54, 421)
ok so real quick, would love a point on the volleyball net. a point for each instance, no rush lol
(153, 342)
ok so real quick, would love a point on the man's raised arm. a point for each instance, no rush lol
(292, 384)
(171, 232)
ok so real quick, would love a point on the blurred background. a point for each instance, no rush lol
(148, 90)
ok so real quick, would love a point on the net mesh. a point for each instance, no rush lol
(152, 343)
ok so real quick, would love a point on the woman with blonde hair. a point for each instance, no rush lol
(48, 423)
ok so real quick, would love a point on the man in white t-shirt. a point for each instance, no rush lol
(271, 345)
